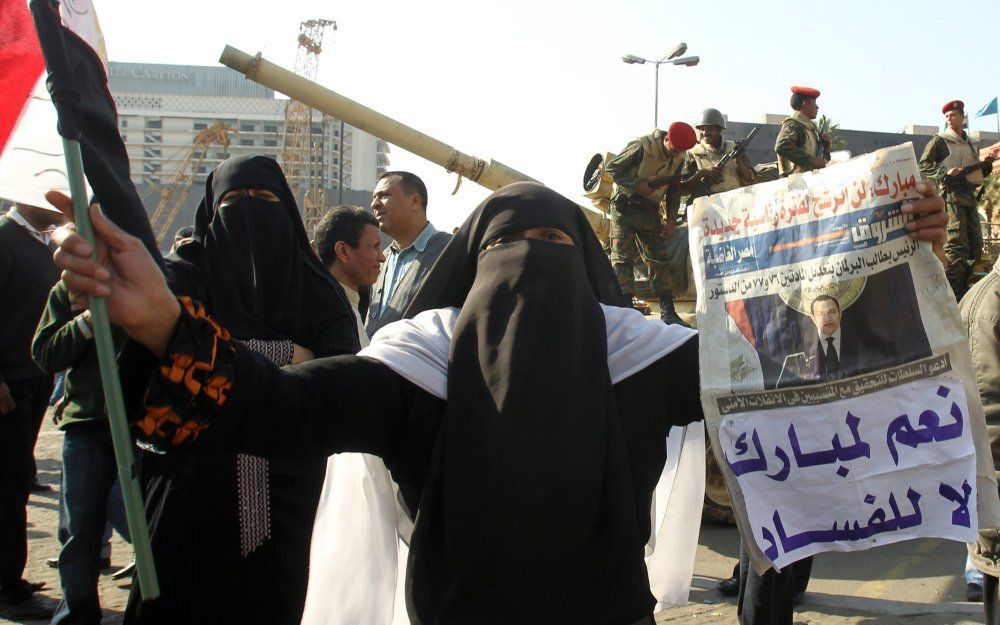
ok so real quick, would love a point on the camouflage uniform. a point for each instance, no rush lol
(965, 239)
(636, 224)
(707, 156)
(797, 145)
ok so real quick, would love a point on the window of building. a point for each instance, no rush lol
(246, 142)
(317, 128)
(270, 143)
(123, 122)
(154, 123)
(270, 128)
(336, 133)
(200, 125)
(246, 128)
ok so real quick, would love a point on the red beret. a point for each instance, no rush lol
(681, 136)
(951, 106)
(806, 92)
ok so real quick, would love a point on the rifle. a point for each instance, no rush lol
(660, 181)
(739, 148)
(951, 181)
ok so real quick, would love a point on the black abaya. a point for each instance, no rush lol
(231, 532)
(532, 483)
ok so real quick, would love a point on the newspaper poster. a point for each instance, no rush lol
(836, 379)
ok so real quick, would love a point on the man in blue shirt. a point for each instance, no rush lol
(399, 202)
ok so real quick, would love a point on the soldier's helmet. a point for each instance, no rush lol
(711, 117)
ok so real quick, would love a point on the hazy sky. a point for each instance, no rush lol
(540, 85)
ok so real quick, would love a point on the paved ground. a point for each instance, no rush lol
(43, 511)
(915, 583)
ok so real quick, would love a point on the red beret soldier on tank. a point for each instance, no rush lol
(799, 146)
(644, 205)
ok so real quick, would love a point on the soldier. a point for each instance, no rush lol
(947, 154)
(647, 174)
(709, 151)
(799, 146)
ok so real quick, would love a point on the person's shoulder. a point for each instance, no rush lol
(698, 149)
(440, 235)
(790, 123)
(437, 242)
(983, 299)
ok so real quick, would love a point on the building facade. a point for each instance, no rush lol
(163, 108)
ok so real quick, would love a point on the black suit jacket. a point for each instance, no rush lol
(852, 359)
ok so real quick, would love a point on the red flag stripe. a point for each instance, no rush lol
(21, 63)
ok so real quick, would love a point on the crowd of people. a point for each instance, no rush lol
(333, 431)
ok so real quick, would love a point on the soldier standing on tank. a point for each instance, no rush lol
(646, 175)
(945, 156)
(709, 151)
(799, 146)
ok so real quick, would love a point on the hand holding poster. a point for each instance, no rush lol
(835, 373)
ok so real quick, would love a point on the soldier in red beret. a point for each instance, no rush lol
(800, 147)
(951, 160)
(644, 205)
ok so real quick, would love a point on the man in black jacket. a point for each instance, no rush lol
(26, 275)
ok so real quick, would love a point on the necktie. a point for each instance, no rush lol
(832, 361)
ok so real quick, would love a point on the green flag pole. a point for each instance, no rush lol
(128, 476)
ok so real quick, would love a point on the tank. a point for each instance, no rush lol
(486, 172)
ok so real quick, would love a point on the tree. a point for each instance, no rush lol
(837, 142)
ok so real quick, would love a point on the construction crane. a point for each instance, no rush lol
(173, 194)
(299, 155)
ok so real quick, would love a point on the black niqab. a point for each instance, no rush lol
(251, 263)
(529, 505)
(512, 209)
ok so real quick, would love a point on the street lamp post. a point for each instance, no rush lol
(674, 58)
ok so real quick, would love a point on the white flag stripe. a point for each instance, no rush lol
(32, 162)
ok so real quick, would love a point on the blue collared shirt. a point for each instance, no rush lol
(399, 261)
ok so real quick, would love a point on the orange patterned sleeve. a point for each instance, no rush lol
(193, 381)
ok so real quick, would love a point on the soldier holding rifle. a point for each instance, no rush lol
(725, 161)
(952, 160)
(647, 173)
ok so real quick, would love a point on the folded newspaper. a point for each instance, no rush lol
(836, 378)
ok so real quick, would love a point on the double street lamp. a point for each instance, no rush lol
(672, 58)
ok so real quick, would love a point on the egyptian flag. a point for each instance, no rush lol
(78, 84)
(31, 155)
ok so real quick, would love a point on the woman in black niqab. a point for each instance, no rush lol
(522, 412)
(249, 261)
(231, 532)
(531, 509)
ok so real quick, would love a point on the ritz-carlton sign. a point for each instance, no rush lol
(149, 73)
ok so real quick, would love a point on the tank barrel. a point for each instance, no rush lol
(488, 173)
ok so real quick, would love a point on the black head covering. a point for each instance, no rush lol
(513, 208)
(251, 263)
(528, 506)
